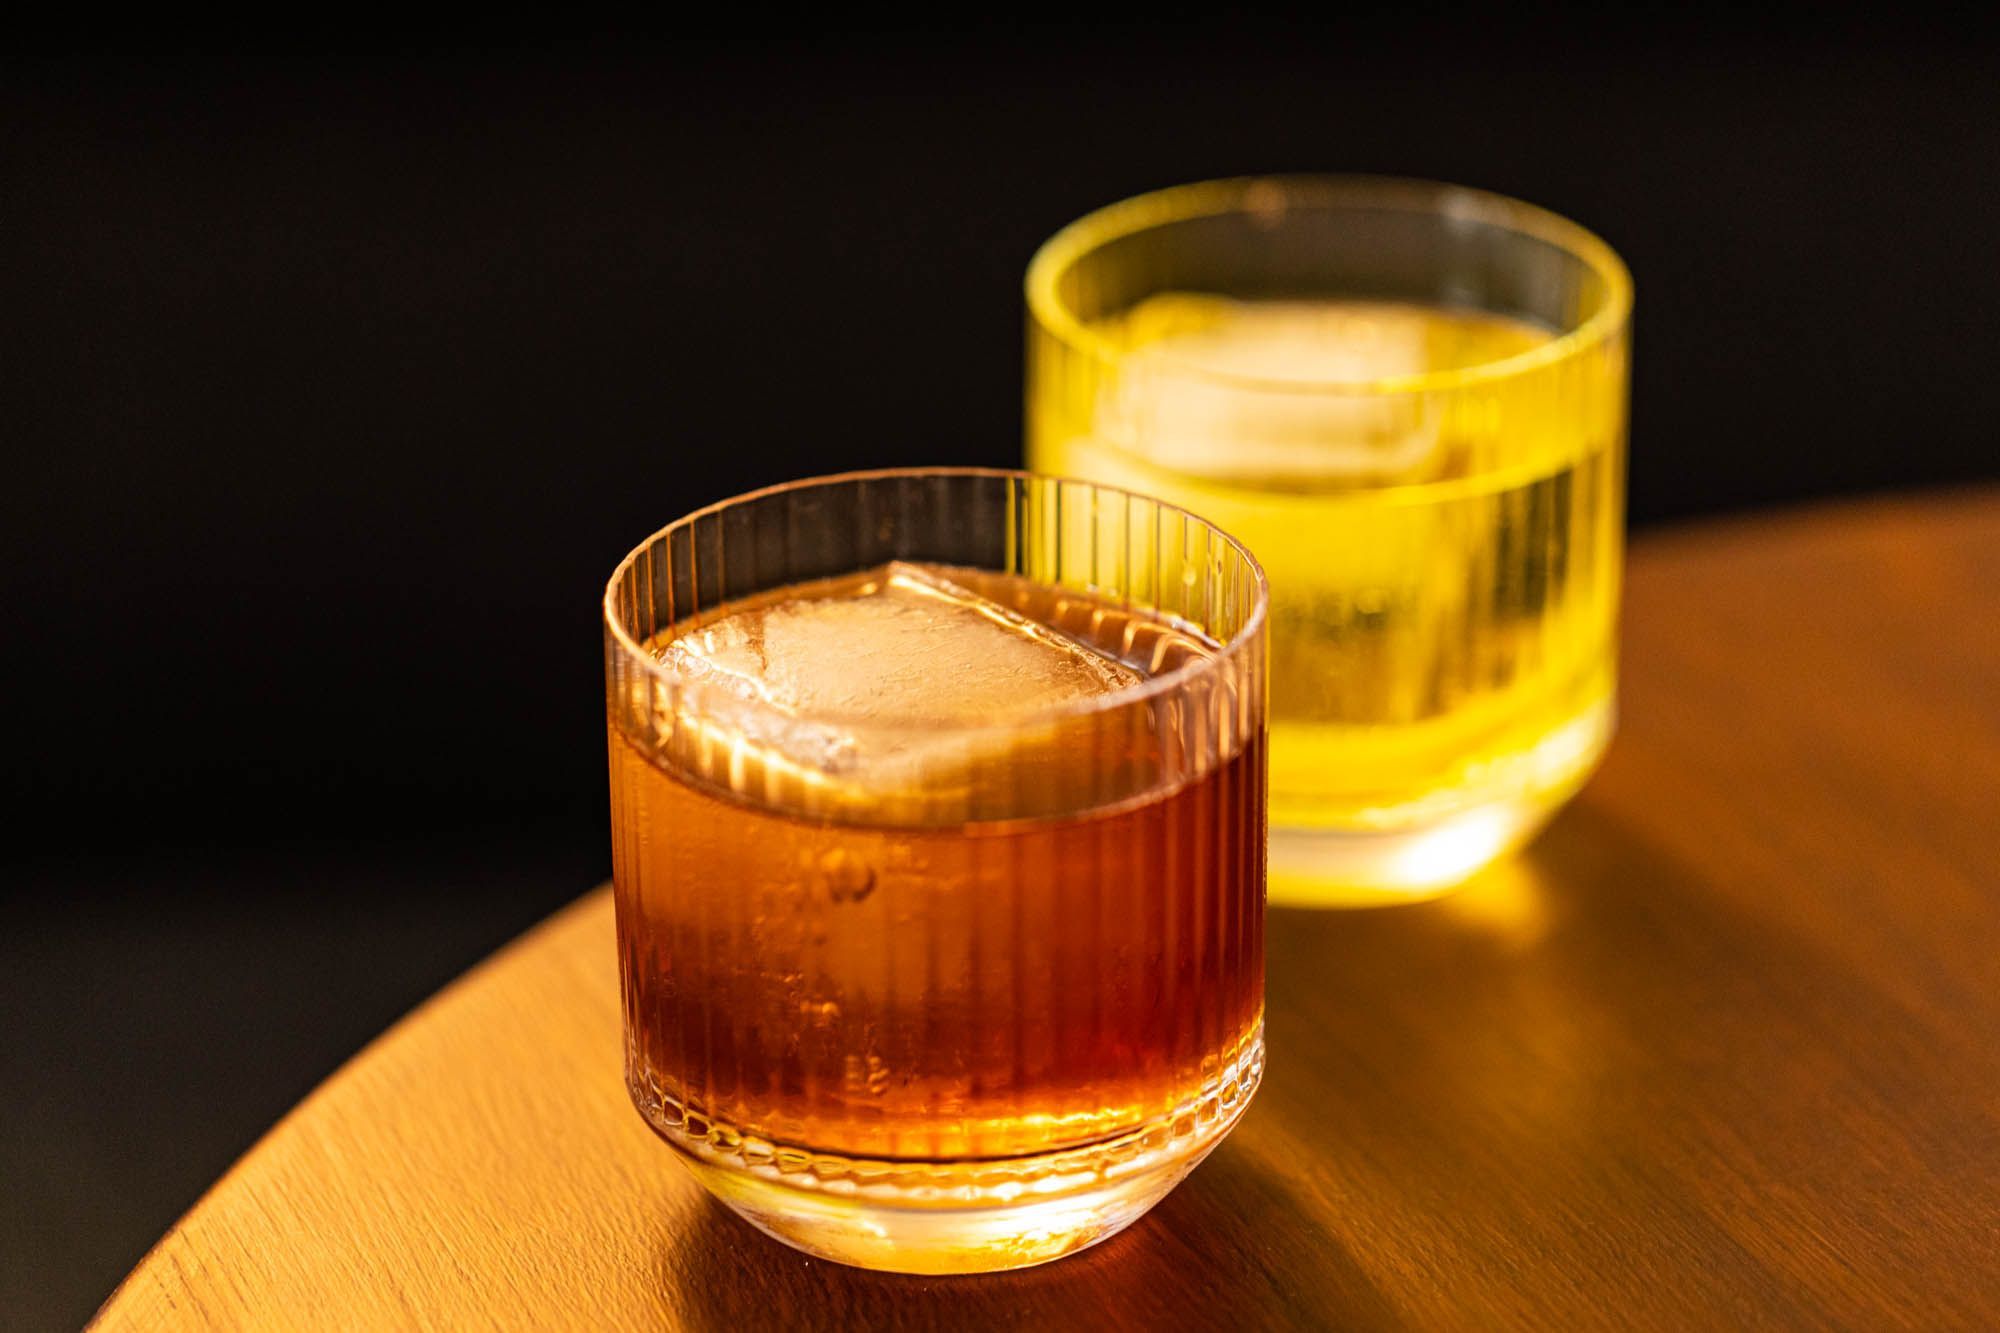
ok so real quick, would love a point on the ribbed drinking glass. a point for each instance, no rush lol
(938, 834)
(1408, 400)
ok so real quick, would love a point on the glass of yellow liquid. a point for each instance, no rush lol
(1409, 400)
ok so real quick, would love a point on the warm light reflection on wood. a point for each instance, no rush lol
(1716, 1052)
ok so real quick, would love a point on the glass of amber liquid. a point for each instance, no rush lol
(1409, 401)
(938, 834)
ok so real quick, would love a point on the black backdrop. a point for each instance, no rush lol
(339, 371)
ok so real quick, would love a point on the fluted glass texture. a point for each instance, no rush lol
(1409, 401)
(937, 814)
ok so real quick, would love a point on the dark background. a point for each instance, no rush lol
(339, 371)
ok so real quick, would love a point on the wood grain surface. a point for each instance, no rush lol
(1722, 1050)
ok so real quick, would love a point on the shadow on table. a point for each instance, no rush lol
(1435, 1070)
(1242, 1244)
(1222, 1251)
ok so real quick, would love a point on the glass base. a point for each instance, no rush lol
(1434, 853)
(975, 1216)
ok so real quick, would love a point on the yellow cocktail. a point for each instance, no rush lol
(1409, 401)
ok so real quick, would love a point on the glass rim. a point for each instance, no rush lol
(1227, 656)
(1236, 194)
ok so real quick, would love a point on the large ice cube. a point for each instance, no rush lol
(910, 647)
(862, 698)
(1305, 343)
(1216, 387)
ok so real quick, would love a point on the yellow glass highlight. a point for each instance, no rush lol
(1409, 401)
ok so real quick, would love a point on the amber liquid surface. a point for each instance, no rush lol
(881, 989)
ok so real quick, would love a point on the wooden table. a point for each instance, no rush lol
(1723, 1050)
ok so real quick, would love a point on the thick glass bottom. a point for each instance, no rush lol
(968, 1216)
(1436, 851)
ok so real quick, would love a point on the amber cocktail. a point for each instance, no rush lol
(937, 811)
